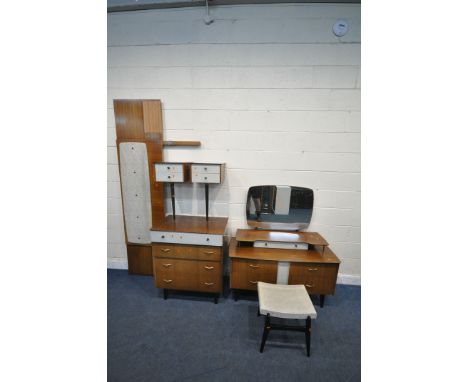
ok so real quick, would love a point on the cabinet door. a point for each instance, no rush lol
(245, 273)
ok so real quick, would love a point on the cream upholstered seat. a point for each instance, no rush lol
(285, 301)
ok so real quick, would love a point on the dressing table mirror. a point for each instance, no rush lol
(279, 207)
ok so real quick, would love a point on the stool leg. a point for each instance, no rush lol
(322, 300)
(266, 330)
(307, 334)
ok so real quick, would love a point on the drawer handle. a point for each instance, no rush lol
(208, 252)
(165, 249)
(209, 268)
(253, 282)
(310, 286)
(253, 266)
(312, 269)
(167, 265)
(209, 283)
(167, 281)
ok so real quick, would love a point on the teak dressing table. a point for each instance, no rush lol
(283, 258)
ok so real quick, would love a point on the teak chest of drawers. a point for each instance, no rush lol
(187, 254)
(272, 262)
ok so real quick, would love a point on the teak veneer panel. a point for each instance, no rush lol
(273, 254)
(139, 259)
(192, 224)
(313, 238)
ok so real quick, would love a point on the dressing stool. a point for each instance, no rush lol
(285, 301)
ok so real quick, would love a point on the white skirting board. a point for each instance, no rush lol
(342, 279)
(114, 263)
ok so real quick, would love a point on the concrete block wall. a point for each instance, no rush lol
(267, 89)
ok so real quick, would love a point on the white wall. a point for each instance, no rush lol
(267, 89)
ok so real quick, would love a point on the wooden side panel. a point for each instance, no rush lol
(129, 119)
(141, 121)
(139, 259)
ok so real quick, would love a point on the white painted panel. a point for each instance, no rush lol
(168, 167)
(282, 273)
(205, 178)
(281, 245)
(186, 238)
(135, 191)
(283, 196)
(164, 176)
(205, 169)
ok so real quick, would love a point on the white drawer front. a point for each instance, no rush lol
(186, 238)
(205, 169)
(162, 176)
(205, 178)
(280, 245)
(169, 167)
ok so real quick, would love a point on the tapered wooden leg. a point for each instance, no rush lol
(165, 294)
(322, 300)
(266, 330)
(307, 335)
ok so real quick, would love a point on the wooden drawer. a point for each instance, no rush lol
(214, 286)
(175, 251)
(209, 271)
(175, 273)
(245, 274)
(163, 250)
(317, 278)
(206, 169)
(209, 253)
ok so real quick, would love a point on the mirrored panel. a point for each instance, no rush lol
(279, 207)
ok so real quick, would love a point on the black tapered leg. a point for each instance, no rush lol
(207, 193)
(322, 300)
(307, 334)
(165, 294)
(173, 200)
(266, 330)
(258, 311)
(234, 294)
(216, 299)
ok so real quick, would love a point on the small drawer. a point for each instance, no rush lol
(169, 167)
(205, 178)
(209, 253)
(163, 250)
(163, 176)
(205, 169)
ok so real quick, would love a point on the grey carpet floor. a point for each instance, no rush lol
(189, 338)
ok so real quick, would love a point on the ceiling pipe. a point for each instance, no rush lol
(203, 3)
